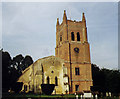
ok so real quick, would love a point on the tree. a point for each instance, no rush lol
(98, 78)
(6, 61)
(27, 61)
(106, 80)
(19, 63)
(12, 69)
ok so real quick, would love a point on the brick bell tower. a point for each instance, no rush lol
(72, 46)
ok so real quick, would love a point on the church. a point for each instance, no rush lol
(70, 69)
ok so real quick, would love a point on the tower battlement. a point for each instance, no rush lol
(70, 30)
(66, 21)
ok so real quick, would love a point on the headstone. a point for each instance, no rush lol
(76, 96)
(96, 96)
(110, 94)
(81, 96)
(107, 94)
(87, 95)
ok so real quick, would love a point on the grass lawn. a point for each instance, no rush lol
(38, 96)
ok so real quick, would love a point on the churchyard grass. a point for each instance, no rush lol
(38, 96)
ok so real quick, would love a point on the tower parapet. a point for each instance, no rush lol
(67, 27)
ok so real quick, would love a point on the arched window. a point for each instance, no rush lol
(42, 74)
(42, 68)
(25, 87)
(72, 36)
(78, 36)
(48, 80)
(56, 81)
(60, 37)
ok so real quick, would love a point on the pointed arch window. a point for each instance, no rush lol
(42, 68)
(56, 81)
(78, 36)
(48, 80)
(72, 36)
(60, 37)
(42, 74)
(25, 87)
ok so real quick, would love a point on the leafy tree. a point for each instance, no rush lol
(6, 61)
(27, 61)
(98, 78)
(19, 63)
(106, 80)
(114, 82)
(12, 69)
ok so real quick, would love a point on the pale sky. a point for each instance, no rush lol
(30, 28)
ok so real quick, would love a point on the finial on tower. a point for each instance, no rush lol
(57, 21)
(64, 11)
(83, 17)
(64, 16)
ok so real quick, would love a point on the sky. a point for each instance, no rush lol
(30, 28)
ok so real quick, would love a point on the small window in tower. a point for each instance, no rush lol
(78, 36)
(48, 80)
(60, 37)
(56, 81)
(76, 87)
(72, 36)
(77, 71)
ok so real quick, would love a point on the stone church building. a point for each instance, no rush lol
(70, 68)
